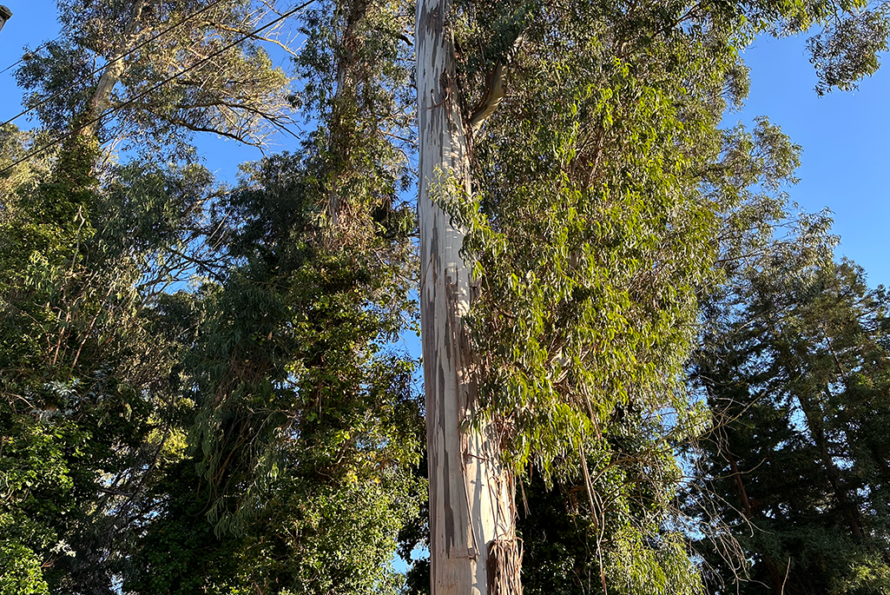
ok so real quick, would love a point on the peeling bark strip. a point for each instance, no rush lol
(473, 549)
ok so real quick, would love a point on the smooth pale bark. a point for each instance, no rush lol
(111, 75)
(473, 548)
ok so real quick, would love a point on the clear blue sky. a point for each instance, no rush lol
(846, 161)
(845, 164)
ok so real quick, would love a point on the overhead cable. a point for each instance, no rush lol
(25, 57)
(136, 48)
(156, 86)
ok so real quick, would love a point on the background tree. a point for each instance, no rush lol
(214, 85)
(306, 429)
(794, 367)
(306, 420)
(331, 284)
(88, 402)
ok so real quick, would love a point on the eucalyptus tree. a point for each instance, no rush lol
(166, 69)
(571, 210)
(566, 229)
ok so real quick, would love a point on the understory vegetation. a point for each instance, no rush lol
(205, 385)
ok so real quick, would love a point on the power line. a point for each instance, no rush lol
(37, 49)
(106, 65)
(156, 86)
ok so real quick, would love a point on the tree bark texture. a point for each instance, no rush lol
(114, 70)
(342, 127)
(473, 548)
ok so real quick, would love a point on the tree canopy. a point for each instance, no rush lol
(204, 386)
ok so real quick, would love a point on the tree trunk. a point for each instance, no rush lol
(342, 124)
(473, 547)
(815, 421)
(114, 70)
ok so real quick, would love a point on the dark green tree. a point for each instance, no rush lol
(307, 423)
(794, 366)
(86, 391)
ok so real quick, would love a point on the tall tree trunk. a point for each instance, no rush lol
(111, 75)
(473, 547)
(342, 125)
(816, 421)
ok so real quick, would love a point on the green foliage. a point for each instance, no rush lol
(259, 432)
(288, 341)
(605, 200)
(85, 391)
(566, 549)
(21, 574)
(847, 50)
(37, 495)
(356, 66)
(307, 423)
(601, 189)
(238, 94)
(794, 367)
(14, 144)
(178, 553)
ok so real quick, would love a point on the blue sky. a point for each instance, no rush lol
(845, 156)
(845, 162)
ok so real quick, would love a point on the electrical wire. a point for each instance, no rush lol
(138, 46)
(35, 50)
(156, 86)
